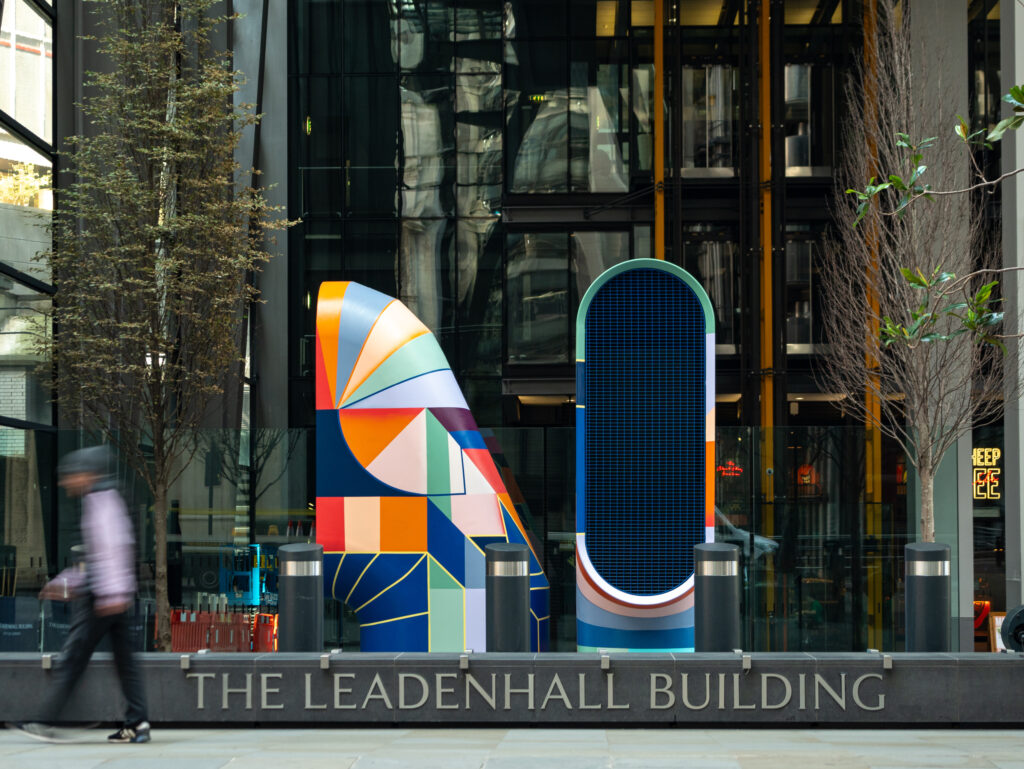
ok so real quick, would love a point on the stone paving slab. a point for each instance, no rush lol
(526, 749)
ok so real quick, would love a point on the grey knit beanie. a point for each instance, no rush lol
(95, 459)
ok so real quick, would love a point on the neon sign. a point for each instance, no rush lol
(729, 470)
(986, 474)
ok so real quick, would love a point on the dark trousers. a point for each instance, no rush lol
(87, 630)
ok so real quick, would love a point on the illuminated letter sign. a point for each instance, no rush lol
(986, 474)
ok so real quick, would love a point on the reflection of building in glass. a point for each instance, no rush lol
(26, 199)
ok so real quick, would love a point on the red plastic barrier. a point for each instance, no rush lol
(264, 636)
(189, 630)
(229, 633)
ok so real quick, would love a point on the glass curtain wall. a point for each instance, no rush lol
(29, 551)
(487, 118)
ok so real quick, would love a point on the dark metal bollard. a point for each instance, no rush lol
(716, 598)
(300, 598)
(508, 597)
(928, 613)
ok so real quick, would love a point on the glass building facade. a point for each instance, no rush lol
(484, 161)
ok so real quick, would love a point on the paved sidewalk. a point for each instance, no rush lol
(527, 749)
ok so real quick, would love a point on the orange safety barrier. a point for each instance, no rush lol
(189, 630)
(195, 630)
(264, 635)
(229, 633)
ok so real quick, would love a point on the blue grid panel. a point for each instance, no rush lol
(645, 431)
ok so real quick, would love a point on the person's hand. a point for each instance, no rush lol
(106, 609)
(55, 590)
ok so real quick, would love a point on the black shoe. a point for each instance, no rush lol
(137, 733)
(42, 732)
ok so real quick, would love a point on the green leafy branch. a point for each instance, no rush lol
(910, 187)
(948, 309)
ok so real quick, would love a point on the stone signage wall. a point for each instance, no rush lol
(547, 689)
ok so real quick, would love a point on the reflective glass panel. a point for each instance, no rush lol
(591, 253)
(371, 39)
(426, 33)
(479, 20)
(809, 119)
(371, 144)
(26, 64)
(598, 137)
(538, 113)
(26, 538)
(368, 255)
(710, 120)
(479, 296)
(426, 151)
(713, 258)
(803, 327)
(642, 82)
(426, 279)
(533, 19)
(26, 203)
(316, 28)
(598, 18)
(321, 176)
(537, 285)
(24, 327)
(478, 141)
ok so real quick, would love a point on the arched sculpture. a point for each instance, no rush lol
(645, 450)
(407, 492)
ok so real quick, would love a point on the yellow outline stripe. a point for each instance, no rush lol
(393, 619)
(382, 592)
(334, 582)
(350, 592)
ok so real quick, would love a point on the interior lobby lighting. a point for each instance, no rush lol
(642, 13)
(606, 17)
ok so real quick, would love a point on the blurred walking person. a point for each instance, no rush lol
(106, 590)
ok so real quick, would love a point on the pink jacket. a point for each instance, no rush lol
(110, 550)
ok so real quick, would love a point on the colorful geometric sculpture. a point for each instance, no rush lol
(407, 492)
(645, 427)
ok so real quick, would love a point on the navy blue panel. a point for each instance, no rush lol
(338, 581)
(446, 543)
(405, 635)
(644, 439)
(338, 473)
(409, 596)
(386, 569)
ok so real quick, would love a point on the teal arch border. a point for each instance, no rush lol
(637, 264)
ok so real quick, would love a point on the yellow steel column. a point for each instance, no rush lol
(659, 129)
(873, 436)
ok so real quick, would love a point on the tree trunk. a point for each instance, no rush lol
(927, 479)
(163, 606)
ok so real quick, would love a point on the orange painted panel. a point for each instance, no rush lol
(328, 320)
(403, 524)
(369, 431)
(709, 484)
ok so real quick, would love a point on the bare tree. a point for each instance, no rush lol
(260, 464)
(153, 239)
(900, 288)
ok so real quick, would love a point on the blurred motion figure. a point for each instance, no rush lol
(106, 589)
